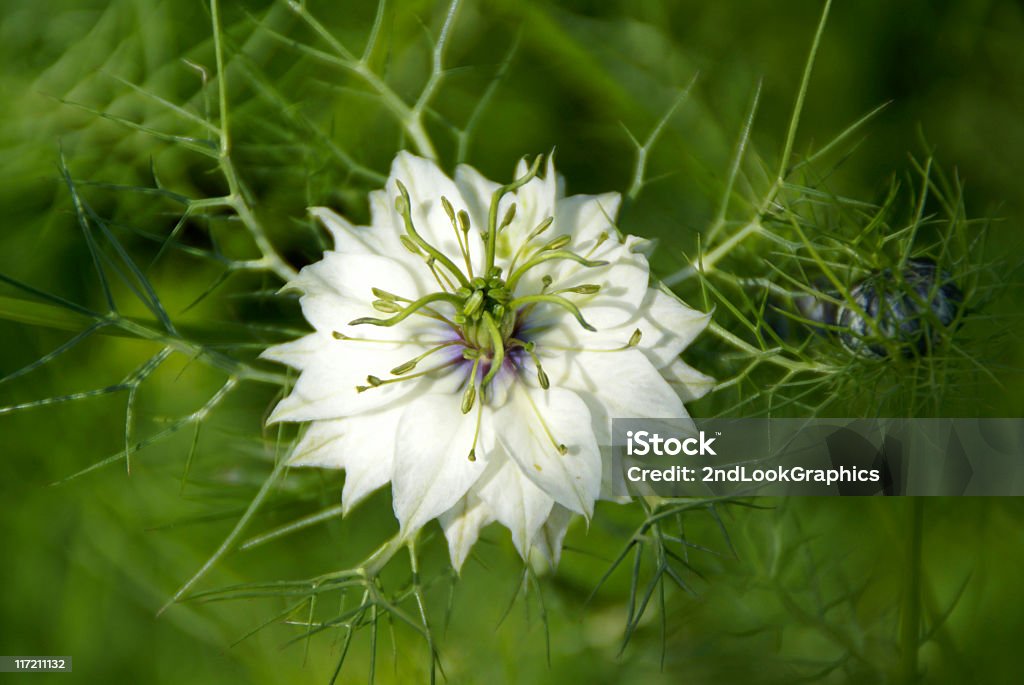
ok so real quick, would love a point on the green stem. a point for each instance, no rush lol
(492, 214)
(497, 346)
(513, 279)
(410, 310)
(910, 625)
(383, 554)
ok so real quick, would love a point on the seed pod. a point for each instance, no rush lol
(910, 311)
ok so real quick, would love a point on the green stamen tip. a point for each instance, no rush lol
(634, 339)
(468, 398)
(562, 449)
(338, 335)
(404, 368)
(472, 454)
(473, 303)
(448, 209)
(408, 244)
(374, 381)
(387, 306)
(362, 388)
(557, 243)
(383, 294)
(585, 289)
(401, 205)
(464, 220)
(542, 378)
(541, 227)
(509, 216)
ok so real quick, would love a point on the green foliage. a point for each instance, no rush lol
(160, 158)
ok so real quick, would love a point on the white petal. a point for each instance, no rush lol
(363, 445)
(329, 312)
(668, 326)
(585, 217)
(432, 466)
(462, 524)
(523, 425)
(319, 446)
(535, 202)
(549, 538)
(515, 501)
(297, 353)
(689, 383)
(347, 238)
(427, 184)
(354, 275)
(623, 283)
(333, 369)
(476, 191)
(621, 384)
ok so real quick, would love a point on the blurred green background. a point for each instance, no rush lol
(802, 590)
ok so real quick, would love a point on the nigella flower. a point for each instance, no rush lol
(472, 346)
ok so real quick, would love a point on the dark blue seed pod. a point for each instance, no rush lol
(894, 310)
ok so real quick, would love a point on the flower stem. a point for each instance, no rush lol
(910, 625)
(382, 555)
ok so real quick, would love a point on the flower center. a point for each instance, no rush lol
(487, 309)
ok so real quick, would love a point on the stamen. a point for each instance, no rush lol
(385, 295)
(375, 382)
(542, 377)
(634, 340)
(509, 216)
(408, 366)
(498, 348)
(409, 310)
(476, 431)
(408, 244)
(473, 303)
(492, 215)
(555, 300)
(338, 335)
(559, 447)
(387, 306)
(460, 233)
(541, 227)
(547, 257)
(600, 241)
(447, 285)
(448, 209)
(469, 396)
(557, 243)
(585, 289)
(404, 207)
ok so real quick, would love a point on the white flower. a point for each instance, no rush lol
(472, 346)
